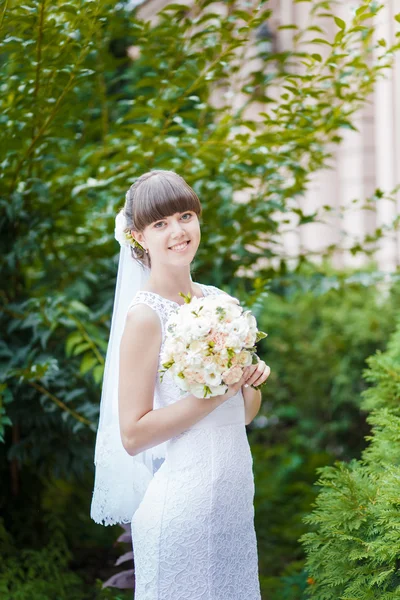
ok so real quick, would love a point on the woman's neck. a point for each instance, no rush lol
(169, 282)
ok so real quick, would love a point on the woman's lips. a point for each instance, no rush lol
(177, 248)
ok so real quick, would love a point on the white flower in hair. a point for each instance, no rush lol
(121, 232)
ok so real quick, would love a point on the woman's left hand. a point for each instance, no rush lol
(256, 374)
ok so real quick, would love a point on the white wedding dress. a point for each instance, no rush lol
(193, 532)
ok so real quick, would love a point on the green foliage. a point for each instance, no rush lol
(80, 121)
(286, 448)
(50, 548)
(38, 574)
(284, 474)
(320, 333)
(45, 573)
(321, 328)
(353, 548)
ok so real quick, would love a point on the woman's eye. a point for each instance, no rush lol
(184, 215)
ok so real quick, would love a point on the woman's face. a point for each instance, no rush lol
(160, 237)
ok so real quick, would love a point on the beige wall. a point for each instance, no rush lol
(365, 160)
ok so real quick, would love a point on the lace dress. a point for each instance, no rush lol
(193, 532)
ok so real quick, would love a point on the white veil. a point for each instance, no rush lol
(120, 479)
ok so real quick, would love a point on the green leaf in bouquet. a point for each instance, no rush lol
(260, 335)
(187, 298)
(207, 390)
(167, 365)
(254, 358)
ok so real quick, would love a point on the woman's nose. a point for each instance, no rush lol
(177, 227)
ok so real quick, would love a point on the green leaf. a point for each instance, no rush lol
(320, 41)
(317, 57)
(80, 348)
(78, 307)
(260, 335)
(72, 340)
(98, 373)
(88, 362)
(283, 27)
(242, 14)
(340, 23)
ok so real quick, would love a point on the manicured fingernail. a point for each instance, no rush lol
(246, 385)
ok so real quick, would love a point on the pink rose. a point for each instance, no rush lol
(219, 340)
(199, 378)
(232, 375)
(250, 340)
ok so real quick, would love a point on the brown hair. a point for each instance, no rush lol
(154, 196)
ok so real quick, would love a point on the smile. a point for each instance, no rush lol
(180, 247)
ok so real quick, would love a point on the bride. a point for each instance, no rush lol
(178, 468)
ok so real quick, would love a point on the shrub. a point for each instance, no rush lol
(322, 328)
(353, 549)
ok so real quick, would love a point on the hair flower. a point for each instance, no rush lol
(122, 233)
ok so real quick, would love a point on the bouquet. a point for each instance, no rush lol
(208, 343)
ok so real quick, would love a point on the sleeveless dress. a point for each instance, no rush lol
(193, 532)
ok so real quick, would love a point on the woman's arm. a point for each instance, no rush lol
(142, 427)
(252, 403)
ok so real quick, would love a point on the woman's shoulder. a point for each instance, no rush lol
(211, 289)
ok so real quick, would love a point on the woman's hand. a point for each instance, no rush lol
(253, 375)
(256, 374)
(232, 389)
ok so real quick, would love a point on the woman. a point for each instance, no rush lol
(193, 531)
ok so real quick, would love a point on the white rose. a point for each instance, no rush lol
(218, 389)
(197, 346)
(234, 341)
(251, 320)
(181, 383)
(200, 328)
(197, 389)
(194, 359)
(123, 237)
(233, 311)
(212, 375)
(240, 327)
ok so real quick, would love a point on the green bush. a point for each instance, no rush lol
(321, 328)
(320, 335)
(80, 122)
(353, 548)
(38, 574)
(309, 316)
